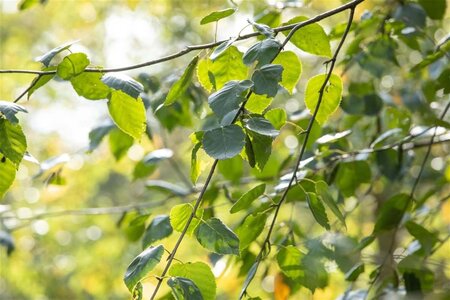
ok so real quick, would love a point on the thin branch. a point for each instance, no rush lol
(266, 242)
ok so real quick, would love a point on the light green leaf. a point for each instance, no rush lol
(261, 126)
(250, 229)
(10, 109)
(324, 194)
(184, 289)
(277, 117)
(263, 52)
(217, 15)
(26, 4)
(391, 213)
(229, 97)
(311, 38)
(158, 229)
(12, 141)
(292, 69)
(435, 9)
(90, 86)
(318, 210)
(258, 103)
(228, 66)
(128, 113)
(195, 163)
(224, 142)
(40, 81)
(7, 175)
(266, 80)
(201, 274)
(119, 143)
(46, 58)
(289, 260)
(142, 265)
(180, 87)
(179, 214)
(217, 237)
(246, 199)
(123, 83)
(331, 96)
(221, 48)
(204, 73)
(72, 65)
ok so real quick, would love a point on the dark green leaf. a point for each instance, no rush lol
(6, 239)
(411, 14)
(142, 265)
(180, 87)
(47, 57)
(158, 229)
(72, 65)
(263, 52)
(97, 134)
(229, 97)
(9, 111)
(250, 229)
(200, 274)
(246, 200)
(353, 273)
(318, 210)
(123, 83)
(224, 142)
(184, 289)
(261, 147)
(179, 215)
(324, 194)
(248, 279)
(90, 86)
(426, 238)
(195, 163)
(119, 143)
(435, 9)
(217, 15)
(292, 69)
(266, 80)
(261, 126)
(7, 174)
(12, 141)
(391, 213)
(217, 237)
(289, 260)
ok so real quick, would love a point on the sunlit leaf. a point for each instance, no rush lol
(246, 199)
(90, 86)
(180, 87)
(318, 210)
(250, 229)
(292, 69)
(119, 143)
(217, 15)
(179, 214)
(7, 175)
(41, 80)
(184, 289)
(72, 65)
(289, 260)
(12, 141)
(277, 117)
(201, 274)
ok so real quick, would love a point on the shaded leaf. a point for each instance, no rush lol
(266, 80)
(46, 58)
(184, 289)
(435, 9)
(250, 229)
(224, 142)
(229, 97)
(10, 109)
(263, 52)
(148, 164)
(123, 83)
(6, 239)
(261, 126)
(289, 260)
(41, 80)
(323, 192)
(180, 87)
(97, 134)
(217, 237)
(158, 229)
(119, 143)
(391, 213)
(318, 210)
(426, 238)
(166, 187)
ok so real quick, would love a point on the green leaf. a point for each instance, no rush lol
(258, 103)
(119, 143)
(263, 52)
(179, 214)
(179, 88)
(289, 260)
(426, 238)
(124, 83)
(148, 164)
(25, 4)
(217, 237)
(246, 199)
(323, 192)
(184, 289)
(318, 210)
(167, 188)
(331, 96)
(261, 147)
(221, 48)
(12, 141)
(90, 86)
(158, 229)
(228, 66)
(277, 117)
(261, 126)
(266, 80)
(250, 229)
(232, 168)
(46, 58)
(41, 80)
(217, 15)
(97, 134)
(311, 38)
(200, 274)
(224, 142)
(9, 111)
(292, 69)
(391, 213)
(128, 113)
(204, 73)
(354, 272)
(142, 265)
(7, 175)
(72, 65)
(137, 292)
(195, 163)
(248, 279)
(229, 97)
(351, 175)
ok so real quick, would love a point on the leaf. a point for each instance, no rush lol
(318, 210)
(97, 134)
(311, 38)
(26, 4)
(179, 88)
(221, 48)
(142, 265)
(228, 66)
(179, 214)
(354, 272)
(261, 126)
(261, 147)
(351, 175)
(217, 15)
(232, 168)
(148, 164)
(195, 163)
(40, 81)
(119, 143)
(128, 113)
(9, 111)
(166, 187)
(266, 80)
(265, 30)
(411, 14)
(426, 238)
(46, 58)
(124, 83)
(12, 141)
(250, 229)
(258, 103)
(331, 96)
(7, 175)
(217, 237)
(224, 142)
(292, 69)
(158, 229)
(204, 73)
(263, 52)
(277, 117)
(184, 289)
(200, 273)
(246, 199)
(333, 137)
(72, 65)
(289, 260)
(137, 292)
(248, 279)
(391, 213)
(324, 194)
(90, 86)
(229, 97)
